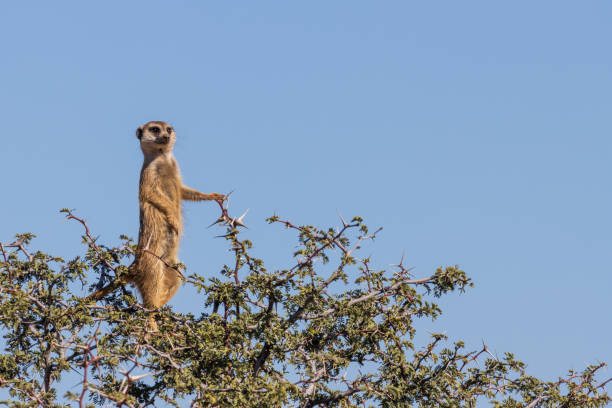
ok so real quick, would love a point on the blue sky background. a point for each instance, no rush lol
(476, 133)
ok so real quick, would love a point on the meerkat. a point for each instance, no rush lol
(160, 194)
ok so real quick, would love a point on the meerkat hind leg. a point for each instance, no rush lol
(151, 303)
(171, 283)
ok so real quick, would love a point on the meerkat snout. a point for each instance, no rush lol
(156, 138)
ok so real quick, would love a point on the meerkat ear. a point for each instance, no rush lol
(139, 132)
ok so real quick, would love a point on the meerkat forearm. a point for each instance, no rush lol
(191, 194)
(158, 200)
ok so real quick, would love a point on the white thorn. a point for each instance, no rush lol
(238, 221)
(344, 224)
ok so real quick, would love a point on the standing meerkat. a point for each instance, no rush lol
(160, 193)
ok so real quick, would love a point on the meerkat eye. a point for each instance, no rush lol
(154, 129)
(169, 129)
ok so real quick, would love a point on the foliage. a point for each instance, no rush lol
(330, 331)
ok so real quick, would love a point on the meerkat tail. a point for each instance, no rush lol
(111, 287)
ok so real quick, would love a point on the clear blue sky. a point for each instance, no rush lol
(476, 133)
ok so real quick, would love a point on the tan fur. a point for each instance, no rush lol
(160, 193)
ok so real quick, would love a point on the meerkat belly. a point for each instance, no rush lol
(154, 241)
(170, 234)
(154, 227)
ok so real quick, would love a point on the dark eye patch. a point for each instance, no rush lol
(154, 129)
(169, 129)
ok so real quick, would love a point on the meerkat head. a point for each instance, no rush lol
(156, 137)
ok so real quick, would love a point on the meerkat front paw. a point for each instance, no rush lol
(217, 197)
(174, 223)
